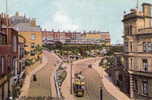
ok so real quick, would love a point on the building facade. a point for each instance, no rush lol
(138, 46)
(21, 54)
(77, 37)
(8, 57)
(30, 32)
(119, 72)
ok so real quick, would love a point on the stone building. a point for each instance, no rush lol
(138, 48)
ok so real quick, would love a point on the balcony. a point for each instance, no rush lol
(141, 73)
(5, 49)
(144, 31)
(133, 14)
(145, 70)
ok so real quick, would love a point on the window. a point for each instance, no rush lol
(2, 63)
(136, 85)
(33, 36)
(120, 77)
(2, 40)
(126, 47)
(145, 65)
(32, 45)
(32, 53)
(130, 29)
(130, 46)
(144, 46)
(145, 87)
(131, 63)
(127, 29)
(147, 46)
(14, 43)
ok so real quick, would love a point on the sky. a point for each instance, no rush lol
(76, 15)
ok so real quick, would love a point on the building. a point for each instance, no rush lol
(119, 72)
(31, 32)
(21, 54)
(138, 48)
(99, 37)
(76, 37)
(8, 57)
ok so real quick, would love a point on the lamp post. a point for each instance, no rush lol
(71, 66)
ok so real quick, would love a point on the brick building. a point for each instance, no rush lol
(77, 37)
(8, 57)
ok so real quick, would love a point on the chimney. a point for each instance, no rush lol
(146, 9)
(17, 14)
(33, 22)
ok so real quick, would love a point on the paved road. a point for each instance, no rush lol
(92, 78)
(93, 81)
(42, 86)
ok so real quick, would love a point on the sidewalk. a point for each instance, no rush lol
(44, 86)
(108, 85)
(30, 71)
(53, 87)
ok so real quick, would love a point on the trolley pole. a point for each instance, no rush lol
(71, 75)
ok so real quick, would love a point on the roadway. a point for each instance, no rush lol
(92, 79)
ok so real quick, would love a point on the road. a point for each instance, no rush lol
(92, 79)
(42, 87)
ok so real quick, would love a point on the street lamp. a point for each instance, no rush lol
(71, 74)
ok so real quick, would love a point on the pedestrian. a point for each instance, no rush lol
(34, 77)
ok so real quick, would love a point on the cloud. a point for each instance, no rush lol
(61, 21)
(64, 21)
(79, 15)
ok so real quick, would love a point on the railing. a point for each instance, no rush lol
(145, 31)
(142, 69)
(58, 88)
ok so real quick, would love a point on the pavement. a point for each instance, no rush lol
(30, 71)
(109, 86)
(44, 86)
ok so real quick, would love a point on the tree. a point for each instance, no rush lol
(58, 45)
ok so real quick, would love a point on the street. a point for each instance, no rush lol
(42, 87)
(92, 78)
(93, 84)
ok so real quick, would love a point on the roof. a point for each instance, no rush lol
(26, 27)
(148, 4)
(18, 19)
(1, 33)
(10, 27)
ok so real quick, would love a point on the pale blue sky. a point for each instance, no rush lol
(79, 15)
